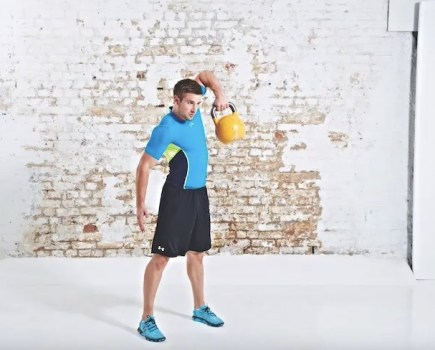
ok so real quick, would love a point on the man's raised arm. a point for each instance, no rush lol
(209, 80)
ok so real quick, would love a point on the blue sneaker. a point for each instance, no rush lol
(148, 329)
(205, 315)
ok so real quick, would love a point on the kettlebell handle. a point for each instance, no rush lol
(213, 109)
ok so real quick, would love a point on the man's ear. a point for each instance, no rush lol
(176, 100)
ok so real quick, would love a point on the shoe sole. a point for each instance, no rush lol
(150, 339)
(201, 320)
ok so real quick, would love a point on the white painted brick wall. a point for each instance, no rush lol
(323, 87)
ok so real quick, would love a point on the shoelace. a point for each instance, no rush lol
(151, 325)
(209, 312)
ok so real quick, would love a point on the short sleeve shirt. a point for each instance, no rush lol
(184, 145)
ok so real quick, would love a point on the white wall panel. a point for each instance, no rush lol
(424, 160)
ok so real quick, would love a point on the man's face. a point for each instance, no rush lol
(187, 107)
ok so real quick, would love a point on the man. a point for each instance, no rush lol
(183, 223)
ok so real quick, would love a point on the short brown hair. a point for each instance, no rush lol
(187, 86)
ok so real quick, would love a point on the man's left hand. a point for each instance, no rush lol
(220, 103)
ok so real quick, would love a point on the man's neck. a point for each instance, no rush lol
(174, 112)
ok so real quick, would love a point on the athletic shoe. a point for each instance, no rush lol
(205, 315)
(149, 330)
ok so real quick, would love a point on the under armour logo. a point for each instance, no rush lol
(161, 248)
(191, 124)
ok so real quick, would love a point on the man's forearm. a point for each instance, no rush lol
(142, 175)
(209, 80)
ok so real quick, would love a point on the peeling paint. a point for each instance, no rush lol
(299, 146)
(338, 138)
(117, 50)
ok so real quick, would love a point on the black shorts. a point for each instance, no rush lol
(183, 222)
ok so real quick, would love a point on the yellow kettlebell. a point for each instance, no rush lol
(230, 127)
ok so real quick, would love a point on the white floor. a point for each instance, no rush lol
(267, 302)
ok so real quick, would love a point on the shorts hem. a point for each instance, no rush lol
(169, 255)
(164, 254)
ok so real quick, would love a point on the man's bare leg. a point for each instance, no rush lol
(195, 271)
(152, 277)
(201, 312)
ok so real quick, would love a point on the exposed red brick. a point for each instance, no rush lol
(90, 228)
(141, 75)
(280, 136)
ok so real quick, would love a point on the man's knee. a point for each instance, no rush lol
(159, 261)
(195, 257)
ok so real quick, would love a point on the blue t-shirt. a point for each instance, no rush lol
(184, 145)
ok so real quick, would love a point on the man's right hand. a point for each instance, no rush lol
(141, 213)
